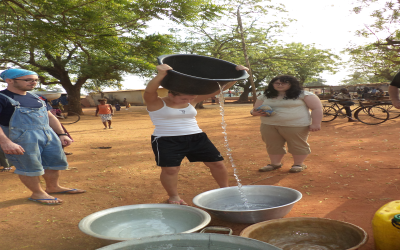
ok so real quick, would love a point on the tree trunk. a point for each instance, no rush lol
(239, 18)
(244, 97)
(74, 99)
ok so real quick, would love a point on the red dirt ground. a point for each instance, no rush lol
(353, 171)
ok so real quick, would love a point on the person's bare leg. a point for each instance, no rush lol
(105, 124)
(219, 172)
(276, 159)
(33, 184)
(169, 180)
(109, 123)
(299, 159)
(51, 178)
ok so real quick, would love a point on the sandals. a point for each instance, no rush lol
(297, 168)
(270, 167)
(294, 169)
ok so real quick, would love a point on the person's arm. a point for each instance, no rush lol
(200, 98)
(56, 126)
(254, 112)
(97, 110)
(394, 96)
(112, 111)
(8, 146)
(150, 95)
(314, 103)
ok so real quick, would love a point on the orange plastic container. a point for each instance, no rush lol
(386, 227)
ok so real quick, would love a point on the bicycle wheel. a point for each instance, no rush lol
(393, 112)
(329, 114)
(372, 115)
(70, 118)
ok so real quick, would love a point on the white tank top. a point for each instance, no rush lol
(174, 122)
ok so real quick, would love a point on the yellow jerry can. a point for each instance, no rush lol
(386, 227)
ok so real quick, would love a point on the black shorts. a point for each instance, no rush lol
(169, 151)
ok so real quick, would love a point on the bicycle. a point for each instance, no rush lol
(393, 112)
(65, 117)
(371, 114)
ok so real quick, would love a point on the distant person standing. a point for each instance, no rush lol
(106, 112)
(127, 104)
(365, 92)
(213, 100)
(117, 106)
(359, 92)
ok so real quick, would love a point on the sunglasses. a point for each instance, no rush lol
(28, 80)
(281, 83)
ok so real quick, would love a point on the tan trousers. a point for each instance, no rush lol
(275, 138)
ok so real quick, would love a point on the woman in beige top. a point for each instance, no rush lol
(290, 123)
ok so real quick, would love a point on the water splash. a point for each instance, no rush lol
(228, 149)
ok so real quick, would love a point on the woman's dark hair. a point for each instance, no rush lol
(292, 93)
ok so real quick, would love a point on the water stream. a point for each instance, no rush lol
(228, 149)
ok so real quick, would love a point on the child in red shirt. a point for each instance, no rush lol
(106, 112)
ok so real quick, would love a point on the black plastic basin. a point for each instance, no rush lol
(198, 75)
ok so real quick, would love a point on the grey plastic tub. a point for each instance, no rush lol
(137, 221)
(268, 202)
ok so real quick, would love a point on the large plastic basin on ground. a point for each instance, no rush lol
(194, 241)
(136, 221)
(266, 203)
(308, 234)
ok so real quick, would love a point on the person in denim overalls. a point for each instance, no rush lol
(33, 139)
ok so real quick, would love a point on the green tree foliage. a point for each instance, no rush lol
(356, 78)
(307, 62)
(72, 42)
(378, 61)
(222, 39)
(316, 82)
(372, 63)
(268, 56)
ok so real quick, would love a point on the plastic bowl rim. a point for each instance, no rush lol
(85, 223)
(244, 76)
(255, 210)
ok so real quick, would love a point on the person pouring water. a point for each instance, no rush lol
(177, 135)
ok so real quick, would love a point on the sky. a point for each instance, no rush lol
(327, 24)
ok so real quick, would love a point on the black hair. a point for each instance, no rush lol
(292, 93)
(174, 93)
